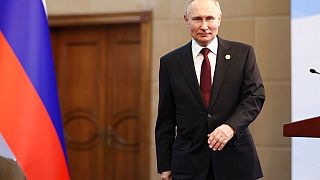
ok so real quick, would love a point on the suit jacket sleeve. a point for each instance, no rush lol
(252, 96)
(165, 125)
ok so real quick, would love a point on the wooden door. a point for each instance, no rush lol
(103, 89)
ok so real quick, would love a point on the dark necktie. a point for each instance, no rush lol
(205, 77)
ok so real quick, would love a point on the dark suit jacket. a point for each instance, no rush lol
(183, 122)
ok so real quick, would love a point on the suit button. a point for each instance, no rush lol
(209, 116)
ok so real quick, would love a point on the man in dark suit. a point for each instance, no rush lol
(210, 90)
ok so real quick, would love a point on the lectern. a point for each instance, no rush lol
(304, 128)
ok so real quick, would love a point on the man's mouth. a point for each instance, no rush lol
(203, 34)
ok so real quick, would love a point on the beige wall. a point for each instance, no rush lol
(265, 24)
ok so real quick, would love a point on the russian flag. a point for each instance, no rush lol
(30, 119)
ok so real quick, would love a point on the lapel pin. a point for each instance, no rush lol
(227, 56)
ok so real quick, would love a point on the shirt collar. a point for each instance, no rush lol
(196, 48)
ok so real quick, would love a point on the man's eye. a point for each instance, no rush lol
(210, 18)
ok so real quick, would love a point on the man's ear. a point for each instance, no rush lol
(219, 21)
(186, 19)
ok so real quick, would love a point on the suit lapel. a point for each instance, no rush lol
(222, 66)
(187, 66)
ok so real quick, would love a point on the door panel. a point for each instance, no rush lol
(124, 86)
(100, 74)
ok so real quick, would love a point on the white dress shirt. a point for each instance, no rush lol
(198, 57)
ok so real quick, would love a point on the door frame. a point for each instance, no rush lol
(143, 18)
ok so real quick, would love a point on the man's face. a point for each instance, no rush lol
(203, 19)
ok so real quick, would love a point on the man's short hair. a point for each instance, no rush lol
(216, 3)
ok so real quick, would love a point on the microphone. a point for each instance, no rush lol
(314, 71)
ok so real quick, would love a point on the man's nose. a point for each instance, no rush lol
(204, 25)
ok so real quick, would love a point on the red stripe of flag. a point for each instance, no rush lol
(25, 122)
